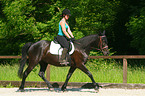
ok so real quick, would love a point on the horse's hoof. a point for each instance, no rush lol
(63, 89)
(50, 86)
(20, 90)
(96, 89)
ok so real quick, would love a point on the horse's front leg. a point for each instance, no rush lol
(85, 70)
(71, 70)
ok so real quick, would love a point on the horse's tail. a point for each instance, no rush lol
(24, 58)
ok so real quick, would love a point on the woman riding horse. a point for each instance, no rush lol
(39, 53)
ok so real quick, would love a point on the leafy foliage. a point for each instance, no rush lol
(24, 21)
(138, 33)
(136, 27)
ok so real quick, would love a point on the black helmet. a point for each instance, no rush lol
(66, 12)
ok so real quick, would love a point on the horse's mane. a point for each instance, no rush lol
(87, 40)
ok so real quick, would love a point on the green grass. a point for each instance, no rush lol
(9, 73)
(103, 72)
(136, 75)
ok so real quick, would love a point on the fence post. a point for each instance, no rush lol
(48, 72)
(124, 70)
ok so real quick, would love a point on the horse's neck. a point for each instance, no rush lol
(89, 46)
(88, 42)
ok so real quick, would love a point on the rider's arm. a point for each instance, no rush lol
(69, 31)
(62, 23)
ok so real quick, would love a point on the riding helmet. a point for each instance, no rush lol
(66, 12)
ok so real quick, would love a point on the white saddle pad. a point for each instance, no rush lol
(56, 49)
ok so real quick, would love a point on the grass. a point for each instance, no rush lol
(136, 75)
(103, 72)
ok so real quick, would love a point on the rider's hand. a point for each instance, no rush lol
(72, 39)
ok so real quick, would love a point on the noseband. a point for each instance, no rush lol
(100, 44)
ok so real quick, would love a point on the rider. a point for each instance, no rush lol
(64, 35)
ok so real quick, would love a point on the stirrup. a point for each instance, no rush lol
(64, 63)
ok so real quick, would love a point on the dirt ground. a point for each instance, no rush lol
(71, 92)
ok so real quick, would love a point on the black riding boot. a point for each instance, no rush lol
(63, 60)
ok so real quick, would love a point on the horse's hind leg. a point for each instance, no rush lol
(43, 67)
(85, 70)
(25, 74)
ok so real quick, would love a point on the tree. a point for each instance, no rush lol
(24, 21)
(136, 28)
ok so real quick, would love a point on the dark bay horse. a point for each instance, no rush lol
(39, 53)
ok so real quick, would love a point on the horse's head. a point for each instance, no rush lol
(103, 43)
(97, 41)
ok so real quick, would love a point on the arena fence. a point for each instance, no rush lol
(123, 57)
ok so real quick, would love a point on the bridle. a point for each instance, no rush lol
(100, 48)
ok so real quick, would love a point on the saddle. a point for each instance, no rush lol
(56, 49)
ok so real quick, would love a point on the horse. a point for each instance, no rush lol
(39, 53)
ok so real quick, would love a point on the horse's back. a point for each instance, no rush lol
(38, 47)
(41, 43)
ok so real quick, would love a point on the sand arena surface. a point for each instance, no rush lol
(71, 92)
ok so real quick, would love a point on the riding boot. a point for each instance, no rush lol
(63, 60)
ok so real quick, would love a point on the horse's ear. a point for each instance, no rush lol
(104, 32)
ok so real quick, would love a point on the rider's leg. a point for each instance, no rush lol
(63, 57)
(65, 45)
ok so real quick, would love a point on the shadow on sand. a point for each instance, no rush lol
(56, 88)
